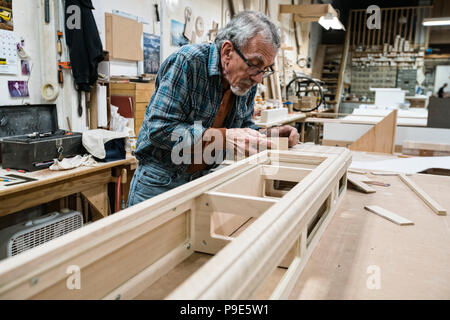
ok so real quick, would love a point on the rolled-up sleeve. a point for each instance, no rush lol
(170, 107)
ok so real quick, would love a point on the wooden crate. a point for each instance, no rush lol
(291, 196)
(141, 94)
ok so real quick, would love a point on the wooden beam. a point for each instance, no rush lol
(345, 50)
(307, 12)
(391, 216)
(436, 207)
(98, 198)
(247, 206)
(284, 173)
(360, 185)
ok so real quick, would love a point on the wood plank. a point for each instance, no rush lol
(360, 26)
(411, 22)
(98, 198)
(391, 14)
(394, 34)
(364, 28)
(379, 138)
(436, 207)
(354, 28)
(307, 11)
(360, 185)
(284, 173)
(391, 216)
(93, 108)
(246, 206)
(384, 22)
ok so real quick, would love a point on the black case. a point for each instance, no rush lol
(18, 151)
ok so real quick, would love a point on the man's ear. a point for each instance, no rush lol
(225, 52)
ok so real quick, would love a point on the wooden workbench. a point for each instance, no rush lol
(413, 261)
(92, 182)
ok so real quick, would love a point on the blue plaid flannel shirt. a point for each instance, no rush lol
(188, 88)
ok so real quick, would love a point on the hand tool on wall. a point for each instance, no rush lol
(80, 105)
(59, 43)
(61, 66)
(47, 11)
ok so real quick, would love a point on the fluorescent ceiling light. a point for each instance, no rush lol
(432, 22)
(329, 21)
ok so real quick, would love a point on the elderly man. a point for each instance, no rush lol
(204, 95)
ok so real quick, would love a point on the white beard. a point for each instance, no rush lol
(238, 91)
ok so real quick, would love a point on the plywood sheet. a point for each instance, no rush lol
(123, 38)
(412, 262)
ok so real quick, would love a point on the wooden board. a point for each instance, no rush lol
(360, 185)
(436, 207)
(389, 215)
(123, 38)
(380, 138)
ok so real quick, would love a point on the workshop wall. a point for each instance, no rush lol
(141, 8)
(174, 10)
(26, 17)
(26, 27)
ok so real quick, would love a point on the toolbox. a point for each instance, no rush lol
(31, 140)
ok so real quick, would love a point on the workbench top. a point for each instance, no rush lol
(47, 176)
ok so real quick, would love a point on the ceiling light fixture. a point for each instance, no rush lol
(435, 22)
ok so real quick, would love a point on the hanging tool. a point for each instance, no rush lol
(47, 11)
(157, 12)
(61, 66)
(80, 106)
(59, 43)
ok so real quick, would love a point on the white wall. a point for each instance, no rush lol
(26, 16)
(25, 26)
(209, 10)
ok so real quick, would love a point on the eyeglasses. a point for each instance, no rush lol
(252, 69)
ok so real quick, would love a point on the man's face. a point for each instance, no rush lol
(258, 53)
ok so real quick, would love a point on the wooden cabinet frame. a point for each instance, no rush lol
(121, 255)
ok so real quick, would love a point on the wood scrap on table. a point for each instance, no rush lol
(436, 207)
(360, 185)
(391, 216)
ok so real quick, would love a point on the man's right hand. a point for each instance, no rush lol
(246, 141)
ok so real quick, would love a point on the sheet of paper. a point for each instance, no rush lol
(102, 106)
(404, 165)
(8, 52)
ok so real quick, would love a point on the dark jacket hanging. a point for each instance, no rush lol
(85, 46)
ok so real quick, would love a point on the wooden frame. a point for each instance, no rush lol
(122, 255)
(307, 12)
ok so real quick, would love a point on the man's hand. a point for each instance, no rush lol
(285, 131)
(246, 141)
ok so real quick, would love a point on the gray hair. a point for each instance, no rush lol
(244, 26)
